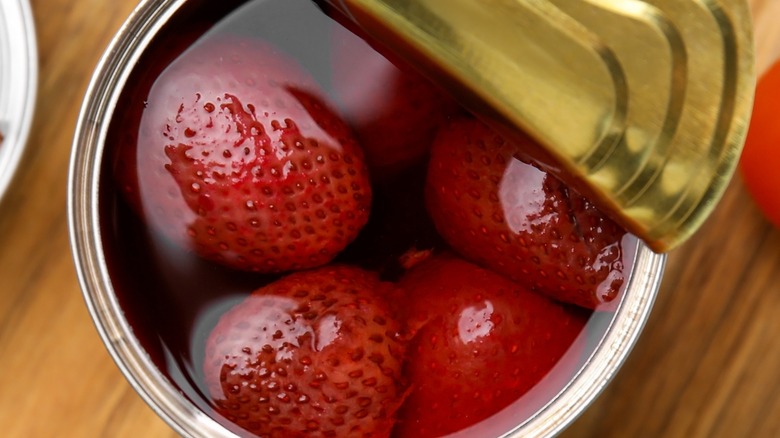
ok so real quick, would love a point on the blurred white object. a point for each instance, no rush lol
(18, 84)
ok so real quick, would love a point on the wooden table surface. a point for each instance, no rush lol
(708, 363)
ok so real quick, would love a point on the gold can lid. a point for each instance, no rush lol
(641, 105)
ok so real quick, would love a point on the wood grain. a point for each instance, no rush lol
(56, 378)
(706, 365)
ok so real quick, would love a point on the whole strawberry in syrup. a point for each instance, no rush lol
(517, 220)
(316, 353)
(239, 159)
(480, 341)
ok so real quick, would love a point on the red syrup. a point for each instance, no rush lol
(171, 297)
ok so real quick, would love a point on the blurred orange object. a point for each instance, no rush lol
(760, 162)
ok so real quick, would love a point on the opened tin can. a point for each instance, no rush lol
(154, 303)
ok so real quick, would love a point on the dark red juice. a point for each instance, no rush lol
(171, 297)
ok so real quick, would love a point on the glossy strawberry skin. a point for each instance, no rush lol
(316, 353)
(519, 221)
(479, 342)
(239, 159)
(394, 110)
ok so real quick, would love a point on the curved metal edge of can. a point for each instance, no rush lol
(612, 351)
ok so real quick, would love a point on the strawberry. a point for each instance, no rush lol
(239, 159)
(480, 342)
(394, 110)
(515, 219)
(316, 353)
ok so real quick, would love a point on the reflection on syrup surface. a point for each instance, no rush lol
(474, 322)
(174, 298)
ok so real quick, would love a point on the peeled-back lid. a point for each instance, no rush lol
(642, 105)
